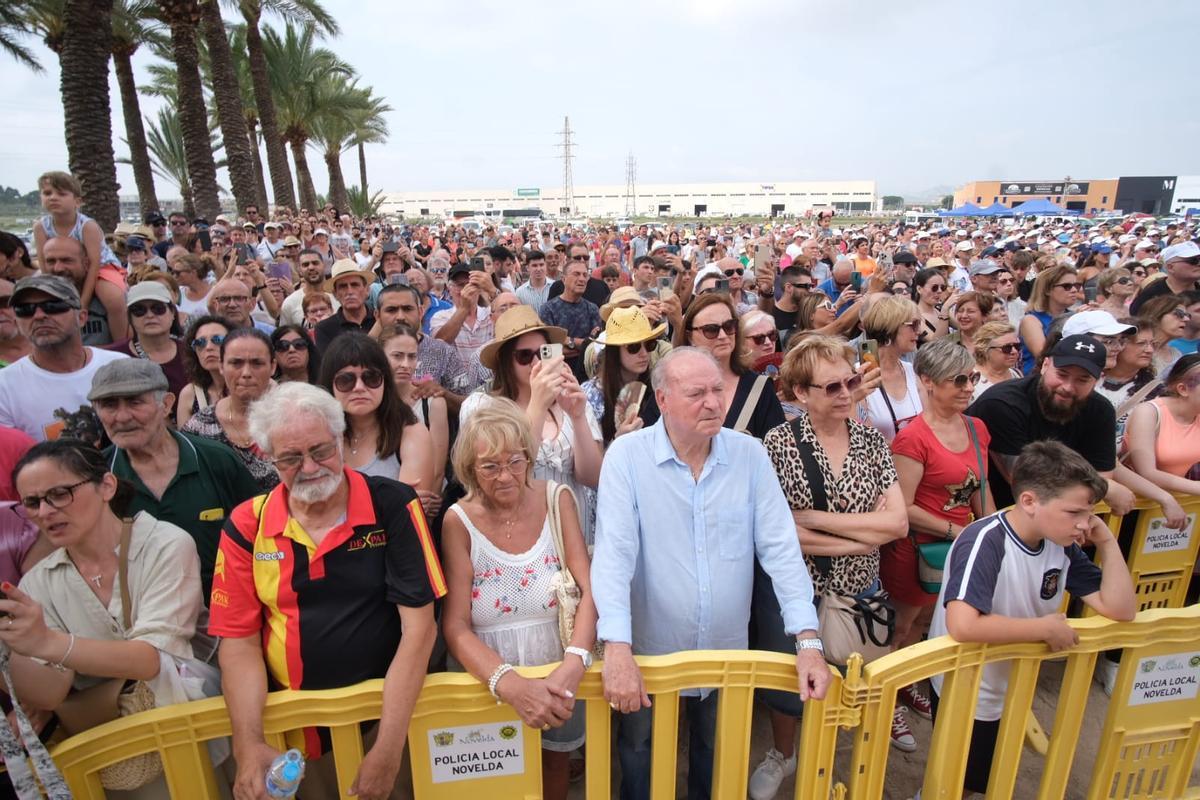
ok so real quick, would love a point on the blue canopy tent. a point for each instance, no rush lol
(997, 209)
(1043, 208)
(965, 210)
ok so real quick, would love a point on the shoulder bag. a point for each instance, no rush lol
(566, 591)
(115, 698)
(862, 623)
(747, 412)
(931, 556)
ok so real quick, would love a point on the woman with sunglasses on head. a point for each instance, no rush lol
(929, 293)
(816, 313)
(629, 342)
(941, 459)
(1168, 317)
(202, 362)
(570, 440)
(1056, 288)
(383, 436)
(751, 405)
(58, 623)
(154, 332)
(247, 364)
(1116, 288)
(894, 324)
(296, 357)
(997, 351)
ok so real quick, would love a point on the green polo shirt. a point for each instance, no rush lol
(209, 483)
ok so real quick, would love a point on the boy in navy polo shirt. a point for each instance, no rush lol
(1006, 573)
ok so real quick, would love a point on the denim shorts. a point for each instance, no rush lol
(569, 736)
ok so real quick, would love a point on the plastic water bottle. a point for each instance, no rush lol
(285, 774)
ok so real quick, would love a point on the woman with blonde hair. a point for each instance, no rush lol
(894, 323)
(501, 559)
(1056, 288)
(997, 351)
(760, 338)
(1116, 287)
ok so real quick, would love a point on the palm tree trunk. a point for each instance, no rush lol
(229, 106)
(135, 133)
(202, 169)
(189, 202)
(87, 46)
(337, 183)
(260, 186)
(362, 169)
(277, 163)
(308, 192)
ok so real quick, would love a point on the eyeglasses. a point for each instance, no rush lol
(490, 470)
(230, 299)
(48, 307)
(900, 289)
(1111, 343)
(960, 381)
(728, 327)
(346, 381)
(177, 272)
(201, 342)
(58, 498)
(319, 454)
(912, 325)
(525, 355)
(729, 273)
(1007, 349)
(142, 309)
(834, 388)
(283, 345)
(761, 339)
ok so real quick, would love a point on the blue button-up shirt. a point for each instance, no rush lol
(674, 561)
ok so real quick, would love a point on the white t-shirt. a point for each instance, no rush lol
(901, 411)
(29, 395)
(991, 569)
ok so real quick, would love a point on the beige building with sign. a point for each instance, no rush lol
(1085, 196)
(676, 199)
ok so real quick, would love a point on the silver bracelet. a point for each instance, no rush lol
(61, 664)
(500, 672)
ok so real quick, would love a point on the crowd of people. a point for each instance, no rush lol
(306, 450)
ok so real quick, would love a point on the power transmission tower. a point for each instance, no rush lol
(630, 185)
(568, 205)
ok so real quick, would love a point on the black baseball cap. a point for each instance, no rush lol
(1080, 351)
(904, 257)
(154, 218)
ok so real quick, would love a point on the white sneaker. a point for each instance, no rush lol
(1106, 673)
(765, 781)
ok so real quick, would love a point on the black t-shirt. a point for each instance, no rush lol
(784, 322)
(597, 291)
(1014, 419)
(331, 327)
(767, 414)
(1156, 289)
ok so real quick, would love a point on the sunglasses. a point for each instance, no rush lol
(1182, 313)
(805, 286)
(283, 345)
(729, 273)
(834, 388)
(1193, 261)
(1007, 349)
(346, 381)
(201, 342)
(761, 339)
(525, 355)
(637, 347)
(1070, 287)
(142, 309)
(580, 258)
(1126, 281)
(960, 381)
(48, 307)
(728, 327)
(1137, 273)
(941, 288)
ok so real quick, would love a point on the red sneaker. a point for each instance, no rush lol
(915, 699)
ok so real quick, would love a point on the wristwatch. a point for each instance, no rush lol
(584, 655)
(810, 644)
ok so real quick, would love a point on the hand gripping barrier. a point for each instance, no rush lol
(1150, 740)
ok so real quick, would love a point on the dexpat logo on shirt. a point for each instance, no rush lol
(276, 556)
(370, 539)
(1050, 584)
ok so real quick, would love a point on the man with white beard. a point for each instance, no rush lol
(313, 584)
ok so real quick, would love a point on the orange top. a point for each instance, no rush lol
(1177, 446)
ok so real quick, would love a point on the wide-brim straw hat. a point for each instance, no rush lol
(622, 296)
(344, 267)
(629, 325)
(512, 324)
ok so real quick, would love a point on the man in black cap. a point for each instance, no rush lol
(1056, 404)
(158, 224)
(187, 480)
(904, 266)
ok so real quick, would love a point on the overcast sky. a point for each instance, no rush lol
(915, 95)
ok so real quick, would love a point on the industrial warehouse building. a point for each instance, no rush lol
(649, 200)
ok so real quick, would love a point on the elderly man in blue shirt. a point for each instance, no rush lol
(685, 506)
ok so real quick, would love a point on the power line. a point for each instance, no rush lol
(568, 205)
(630, 185)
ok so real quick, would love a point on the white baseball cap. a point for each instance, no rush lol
(1181, 250)
(964, 247)
(1096, 322)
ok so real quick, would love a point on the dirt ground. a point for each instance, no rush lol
(906, 770)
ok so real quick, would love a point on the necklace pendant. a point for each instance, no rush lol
(96, 579)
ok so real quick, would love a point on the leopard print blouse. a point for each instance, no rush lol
(867, 473)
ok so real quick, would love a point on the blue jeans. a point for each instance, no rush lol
(633, 748)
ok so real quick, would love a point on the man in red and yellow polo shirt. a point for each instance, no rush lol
(313, 584)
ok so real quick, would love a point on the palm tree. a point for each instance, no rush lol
(362, 206)
(371, 128)
(134, 24)
(13, 26)
(183, 17)
(224, 83)
(342, 123)
(307, 82)
(241, 68)
(168, 155)
(86, 49)
(305, 12)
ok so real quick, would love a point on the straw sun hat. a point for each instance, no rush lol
(512, 324)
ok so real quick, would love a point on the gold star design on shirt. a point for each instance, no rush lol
(960, 493)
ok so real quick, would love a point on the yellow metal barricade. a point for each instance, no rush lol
(1161, 559)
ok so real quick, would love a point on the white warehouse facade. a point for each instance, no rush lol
(790, 198)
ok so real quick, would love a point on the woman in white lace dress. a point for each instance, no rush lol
(570, 442)
(501, 610)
